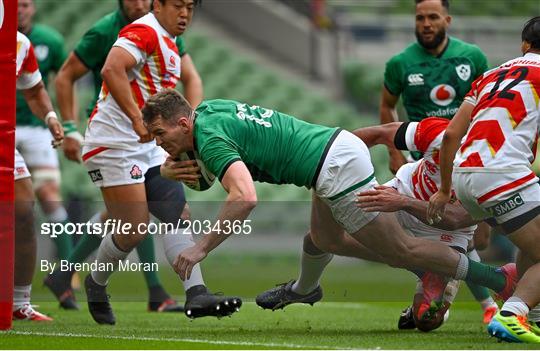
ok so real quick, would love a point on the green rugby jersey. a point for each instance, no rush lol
(96, 43)
(434, 85)
(276, 148)
(50, 54)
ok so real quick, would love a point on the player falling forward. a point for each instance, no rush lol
(416, 181)
(407, 195)
(124, 161)
(29, 82)
(492, 176)
(241, 143)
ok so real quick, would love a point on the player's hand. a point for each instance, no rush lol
(183, 171)
(380, 199)
(142, 131)
(57, 131)
(396, 161)
(72, 149)
(187, 259)
(437, 202)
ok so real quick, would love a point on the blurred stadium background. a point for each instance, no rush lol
(320, 61)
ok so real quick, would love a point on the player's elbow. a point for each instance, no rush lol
(107, 72)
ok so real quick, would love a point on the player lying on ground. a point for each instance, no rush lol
(90, 54)
(30, 84)
(241, 143)
(492, 176)
(124, 161)
(409, 191)
(416, 181)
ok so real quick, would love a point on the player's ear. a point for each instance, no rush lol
(448, 20)
(525, 47)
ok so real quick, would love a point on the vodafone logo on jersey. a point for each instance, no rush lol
(442, 94)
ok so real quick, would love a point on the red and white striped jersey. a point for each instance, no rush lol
(27, 72)
(505, 121)
(423, 177)
(157, 68)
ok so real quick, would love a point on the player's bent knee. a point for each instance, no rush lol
(49, 178)
(310, 247)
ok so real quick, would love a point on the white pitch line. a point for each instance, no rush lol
(149, 338)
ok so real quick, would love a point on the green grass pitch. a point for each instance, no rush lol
(360, 310)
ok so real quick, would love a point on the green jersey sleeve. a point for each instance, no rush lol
(392, 77)
(181, 46)
(91, 49)
(218, 154)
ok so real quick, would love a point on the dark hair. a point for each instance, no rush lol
(531, 32)
(445, 3)
(168, 104)
(195, 2)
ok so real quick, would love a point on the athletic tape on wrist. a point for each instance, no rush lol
(49, 115)
(71, 131)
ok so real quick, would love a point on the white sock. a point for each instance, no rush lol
(474, 256)
(108, 253)
(534, 314)
(516, 306)
(21, 296)
(176, 242)
(311, 271)
(462, 267)
(58, 216)
(487, 303)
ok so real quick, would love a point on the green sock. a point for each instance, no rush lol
(86, 245)
(63, 244)
(485, 275)
(479, 292)
(146, 253)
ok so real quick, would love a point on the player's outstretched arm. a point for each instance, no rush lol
(451, 141)
(241, 200)
(377, 135)
(388, 114)
(388, 199)
(114, 74)
(72, 70)
(191, 82)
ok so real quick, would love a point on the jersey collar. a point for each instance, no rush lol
(532, 55)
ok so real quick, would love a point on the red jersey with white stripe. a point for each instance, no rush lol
(157, 68)
(28, 74)
(423, 177)
(505, 121)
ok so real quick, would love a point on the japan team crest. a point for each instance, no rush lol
(136, 172)
(464, 72)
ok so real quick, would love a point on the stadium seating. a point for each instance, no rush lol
(226, 74)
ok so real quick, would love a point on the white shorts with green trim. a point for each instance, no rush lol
(346, 170)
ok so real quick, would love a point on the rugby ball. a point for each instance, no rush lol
(206, 180)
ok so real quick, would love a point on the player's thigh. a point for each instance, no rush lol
(527, 239)
(324, 230)
(24, 198)
(385, 236)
